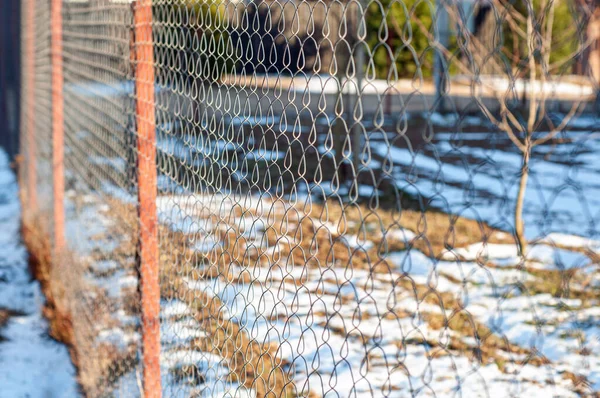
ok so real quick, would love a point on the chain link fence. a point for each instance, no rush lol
(280, 198)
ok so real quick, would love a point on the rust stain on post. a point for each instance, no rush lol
(58, 174)
(29, 61)
(146, 146)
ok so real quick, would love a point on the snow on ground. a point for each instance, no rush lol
(31, 363)
(552, 89)
(110, 283)
(349, 331)
(333, 328)
(539, 255)
(476, 175)
(185, 372)
(333, 324)
(472, 173)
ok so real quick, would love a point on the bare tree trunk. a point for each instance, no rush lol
(526, 151)
(519, 223)
(593, 53)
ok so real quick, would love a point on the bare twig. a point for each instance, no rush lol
(568, 117)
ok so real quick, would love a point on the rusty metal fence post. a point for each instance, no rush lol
(146, 177)
(29, 76)
(58, 175)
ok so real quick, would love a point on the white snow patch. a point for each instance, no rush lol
(105, 267)
(31, 363)
(537, 256)
(403, 235)
(118, 337)
(571, 241)
(174, 309)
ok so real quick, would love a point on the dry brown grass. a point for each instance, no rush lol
(436, 232)
(104, 363)
(4, 316)
(76, 310)
(302, 237)
(453, 316)
(55, 308)
(304, 240)
(252, 363)
(490, 347)
(566, 284)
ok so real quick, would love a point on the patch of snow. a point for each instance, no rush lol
(356, 242)
(180, 332)
(202, 360)
(31, 363)
(545, 256)
(368, 191)
(412, 262)
(116, 283)
(503, 85)
(206, 245)
(264, 155)
(119, 89)
(571, 241)
(403, 235)
(118, 164)
(118, 337)
(174, 309)
(105, 266)
(125, 319)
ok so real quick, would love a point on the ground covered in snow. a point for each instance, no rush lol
(292, 286)
(348, 319)
(314, 294)
(31, 363)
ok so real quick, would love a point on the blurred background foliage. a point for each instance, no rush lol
(399, 35)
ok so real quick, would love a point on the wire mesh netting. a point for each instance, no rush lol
(354, 198)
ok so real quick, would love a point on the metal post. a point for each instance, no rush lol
(29, 60)
(58, 174)
(146, 177)
(442, 36)
(359, 73)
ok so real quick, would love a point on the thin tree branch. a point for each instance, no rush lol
(502, 125)
(568, 117)
(532, 70)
